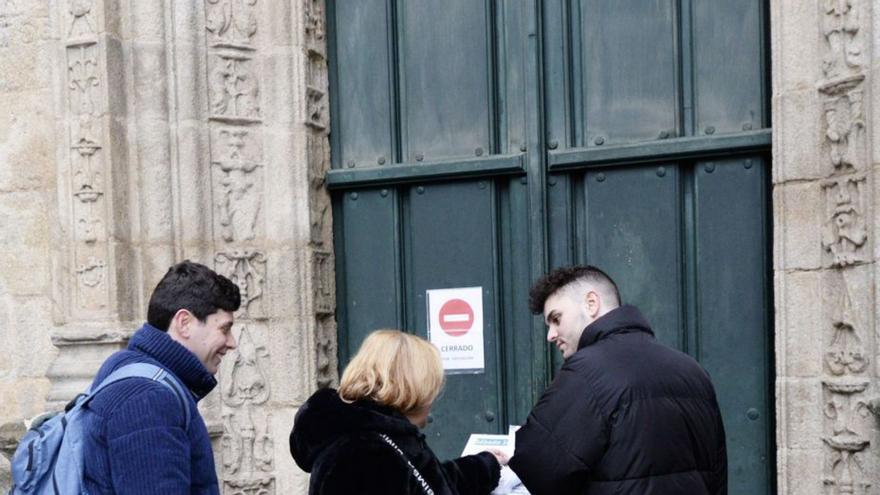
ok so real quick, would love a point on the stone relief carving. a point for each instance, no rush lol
(846, 232)
(81, 23)
(265, 486)
(232, 23)
(323, 283)
(846, 471)
(90, 275)
(841, 21)
(846, 352)
(845, 123)
(240, 186)
(317, 104)
(325, 363)
(83, 80)
(235, 91)
(247, 439)
(319, 201)
(247, 269)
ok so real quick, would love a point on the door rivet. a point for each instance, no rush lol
(553, 144)
(753, 414)
(747, 126)
(661, 171)
(523, 180)
(599, 140)
(490, 416)
(664, 134)
(354, 196)
(710, 167)
(710, 130)
(551, 181)
(481, 185)
(523, 148)
(381, 160)
(419, 157)
(748, 164)
(420, 190)
(600, 177)
(383, 192)
(478, 151)
(430, 418)
(350, 164)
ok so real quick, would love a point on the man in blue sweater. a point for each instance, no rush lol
(137, 438)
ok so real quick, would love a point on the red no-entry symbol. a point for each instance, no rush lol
(456, 317)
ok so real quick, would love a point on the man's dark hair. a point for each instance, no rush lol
(193, 287)
(549, 284)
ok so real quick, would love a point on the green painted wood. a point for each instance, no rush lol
(447, 81)
(734, 335)
(532, 85)
(661, 150)
(629, 70)
(363, 89)
(446, 253)
(633, 233)
(425, 172)
(368, 224)
(728, 46)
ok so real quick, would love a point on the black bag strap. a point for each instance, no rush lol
(421, 479)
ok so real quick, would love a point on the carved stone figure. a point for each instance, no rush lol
(231, 22)
(845, 123)
(248, 270)
(841, 30)
(234, 88)
(845, 464)
(845, 230)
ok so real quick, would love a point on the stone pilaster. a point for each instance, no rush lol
(824, 260)
(91, 294)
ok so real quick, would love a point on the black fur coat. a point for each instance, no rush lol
(339, 444)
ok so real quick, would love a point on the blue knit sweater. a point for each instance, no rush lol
(136, 441)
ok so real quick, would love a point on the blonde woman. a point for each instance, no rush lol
(365, 439)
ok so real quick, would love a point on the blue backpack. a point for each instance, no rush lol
(49, 458)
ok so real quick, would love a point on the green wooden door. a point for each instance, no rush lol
(481, 143)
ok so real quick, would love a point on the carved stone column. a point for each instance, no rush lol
(90, 294)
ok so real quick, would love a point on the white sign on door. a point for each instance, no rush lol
(455, 326)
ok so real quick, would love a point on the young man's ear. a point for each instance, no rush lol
(180, 323)
(594, 304)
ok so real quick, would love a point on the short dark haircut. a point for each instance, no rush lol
(549, 284)
(195, 288)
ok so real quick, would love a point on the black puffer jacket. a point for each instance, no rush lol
(339, 444)
(625, 415)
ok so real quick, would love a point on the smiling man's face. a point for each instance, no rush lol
(566, 317)
(211, 340)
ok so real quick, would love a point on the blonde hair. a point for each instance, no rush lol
(395, 369)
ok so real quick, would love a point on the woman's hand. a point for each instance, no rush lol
(500, 456)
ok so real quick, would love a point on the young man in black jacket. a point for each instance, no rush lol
(625, 414)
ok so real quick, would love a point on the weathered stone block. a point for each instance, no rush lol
(802, 414)
(798, 210)
(797, 133)
(25, 67)
(25, 219)
(799, 323)
(291, 360)
(280, 88)
(803, 474)
(795, 48)
(24, 270)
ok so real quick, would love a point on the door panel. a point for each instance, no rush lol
(474, 147)
(446, 73)
(633, 232)
(628, 67)
(734, 335)
(728, 65)
(453, 244)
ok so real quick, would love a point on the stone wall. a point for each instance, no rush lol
(143, 132)
(825, 121)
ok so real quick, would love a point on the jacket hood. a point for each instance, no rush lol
(618, 320)
(324, 418)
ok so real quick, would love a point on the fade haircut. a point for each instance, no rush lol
(573, 277)
(394, 369)
(195, 288)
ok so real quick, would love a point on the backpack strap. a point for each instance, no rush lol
(150, 372)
